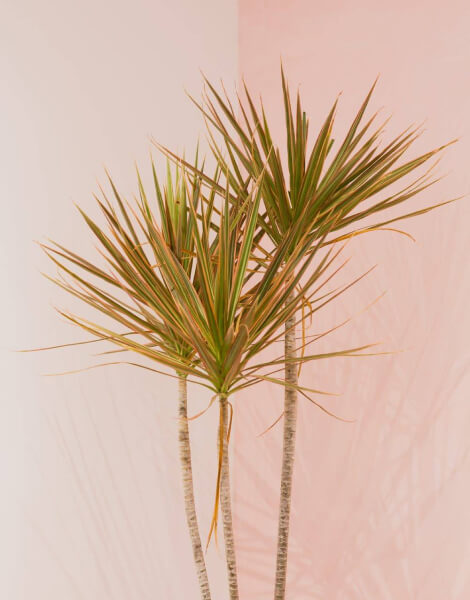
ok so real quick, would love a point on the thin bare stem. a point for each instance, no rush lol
(225, 502)
(288, 453)
(188, 488)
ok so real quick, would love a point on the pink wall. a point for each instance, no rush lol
(91, 503)
(380, 507)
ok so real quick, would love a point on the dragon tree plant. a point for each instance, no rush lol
(303, 188)
(187, 285)
(131, 275)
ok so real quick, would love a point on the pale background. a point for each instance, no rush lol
(91, 504)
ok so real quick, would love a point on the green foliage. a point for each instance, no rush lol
(317, 185)
(179, 281)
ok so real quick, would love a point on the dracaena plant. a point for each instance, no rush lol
(132, 276)
(187, 285)
(305, 186)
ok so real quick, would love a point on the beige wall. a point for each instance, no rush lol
(90, 505)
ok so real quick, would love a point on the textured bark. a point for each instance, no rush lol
(188, 488)
(226, 504)
(288, 452)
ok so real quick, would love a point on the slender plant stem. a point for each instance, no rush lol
(188, 488)
(226, 503)
(288, 452)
